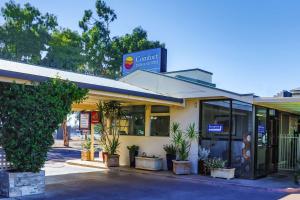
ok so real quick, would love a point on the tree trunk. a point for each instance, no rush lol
(65, 133)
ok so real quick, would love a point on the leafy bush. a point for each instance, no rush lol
(86, 145)
(215, 163)
(203, 153)
(111, 112)
(29, 114)
(182, 140)
(170, 149)
(133, 148)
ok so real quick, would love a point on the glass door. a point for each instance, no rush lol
(273, 127)
(261, 141)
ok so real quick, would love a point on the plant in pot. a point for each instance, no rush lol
(110, 112)
(170, 155)
(182, 141)
(203, 154)
(133, 152)
(217, 168)
(29, 114)
(86, 150)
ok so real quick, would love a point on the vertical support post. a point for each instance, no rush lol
(147, 120)
(92, 141)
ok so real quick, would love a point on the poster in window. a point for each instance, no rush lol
(84, 121)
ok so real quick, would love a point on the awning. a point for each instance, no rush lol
(287, 104)
(99, 87)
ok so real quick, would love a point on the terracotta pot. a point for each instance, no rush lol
(181, 167)
(112, 161)
(104, 156)
(85, 155)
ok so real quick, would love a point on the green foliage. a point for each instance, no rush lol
(109, 113)
(136, 41)
(182, 140)
(86, 145)
(215, 163)
(25, 33)
(29, 114)
(170, 149)
(96, 36)
(64, 51)
(133, 148)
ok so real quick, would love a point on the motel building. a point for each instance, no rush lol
(256, 135)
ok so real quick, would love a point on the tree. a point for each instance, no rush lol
(96, 37)
(29, 114)
(136, 41)
(64, 51)
(25, 32)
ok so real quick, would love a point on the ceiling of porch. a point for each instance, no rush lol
(287, 104)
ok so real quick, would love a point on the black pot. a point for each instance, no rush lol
(170, 157)
(132, 155)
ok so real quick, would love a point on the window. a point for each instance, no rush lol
(133, 122)
(160, 121)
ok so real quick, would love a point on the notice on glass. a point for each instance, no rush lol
(84, 122)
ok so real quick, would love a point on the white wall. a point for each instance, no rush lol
(154, 145)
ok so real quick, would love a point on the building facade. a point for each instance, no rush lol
(243, 129)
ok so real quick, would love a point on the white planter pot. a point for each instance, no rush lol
(223, 173)
(181, 167)
(19, 184)
(154, 164)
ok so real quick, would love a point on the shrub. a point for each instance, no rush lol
(110, 111)
(182, 140)
(170, 149)
(215, 163)
(29, 114)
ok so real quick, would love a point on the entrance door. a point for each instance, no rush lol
(261, 142)
(273, 134)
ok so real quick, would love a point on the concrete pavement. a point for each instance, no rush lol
(127, 186)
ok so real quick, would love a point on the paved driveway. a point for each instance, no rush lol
(73, 182)
(125, 186)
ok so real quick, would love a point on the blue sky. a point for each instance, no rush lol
(250, 46)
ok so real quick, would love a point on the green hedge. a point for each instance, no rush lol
(29, 114)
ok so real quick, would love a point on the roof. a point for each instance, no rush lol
(187, 70)
(29, 72)
(184, 91)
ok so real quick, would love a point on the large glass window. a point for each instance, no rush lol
(242, 131)
(133, 123)
(160, 121)
(227, 127)
(216, 127)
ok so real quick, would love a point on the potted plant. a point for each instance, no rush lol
(203, 154)
(110, 112)
(170, 155)
(152, 162)
(182, 141)
(217, 168)
(86, 150)
(29, 116)
(133, 152)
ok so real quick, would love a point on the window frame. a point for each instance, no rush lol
(156, 114)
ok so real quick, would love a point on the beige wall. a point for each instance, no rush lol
(154, 145)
